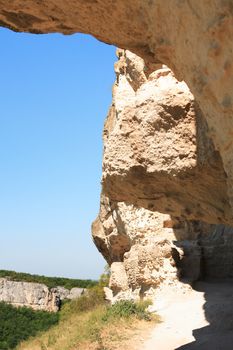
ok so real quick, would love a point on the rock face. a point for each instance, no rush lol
(167, 150)
(149, 251)
(158, 154)
(138, 248)
(35, 295)
(191, 38)
(156, 145)
(70, 294)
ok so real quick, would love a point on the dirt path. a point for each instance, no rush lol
(200, 319)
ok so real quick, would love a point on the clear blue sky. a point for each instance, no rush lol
(55, 93)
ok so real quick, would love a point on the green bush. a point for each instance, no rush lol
(17, 324)
(51, 282)
(128, 308)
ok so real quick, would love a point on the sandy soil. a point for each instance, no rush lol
(197, 319)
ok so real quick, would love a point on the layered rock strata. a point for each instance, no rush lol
(35, 295)
(193, 38)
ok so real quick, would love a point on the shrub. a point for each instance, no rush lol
(17, 324)
(128, 308)
(50, 282)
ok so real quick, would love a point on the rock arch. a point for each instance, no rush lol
(193, 38)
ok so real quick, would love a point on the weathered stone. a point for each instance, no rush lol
(61, 291)
(158, 154)
(193, 38)
(119, 278)
(34, 295)
(72, 293)
(217, 253)
(75, 293)
(139, 249)
(164, 150)
(158, 252)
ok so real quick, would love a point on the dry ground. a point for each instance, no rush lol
(131, 337)
(86, 332)
(200, 319)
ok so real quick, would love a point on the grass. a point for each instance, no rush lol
(88, 323)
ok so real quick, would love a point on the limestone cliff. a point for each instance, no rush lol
(193, 38)
(156, 144)
(158, 154)
(168, 136)
(149, 251)
(35, 295)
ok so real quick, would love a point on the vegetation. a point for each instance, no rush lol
(17, 324)
(51, 282)
(105, 277)
(90, 323)
(127, 309)
(84, 323)
(88, 301)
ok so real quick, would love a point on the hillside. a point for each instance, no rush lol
(50, 282)
(88, 323)
(20, 323)
(17, 324)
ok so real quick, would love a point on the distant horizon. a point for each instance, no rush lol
(56, 91)
(55, 276)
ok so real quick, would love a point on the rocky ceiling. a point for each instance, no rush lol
(193, 38)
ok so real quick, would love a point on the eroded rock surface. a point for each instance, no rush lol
(138, 247)
(149, 252)
(36, 295)
(164, 150)
(159, 156)
(193, 38)
(64, 293)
